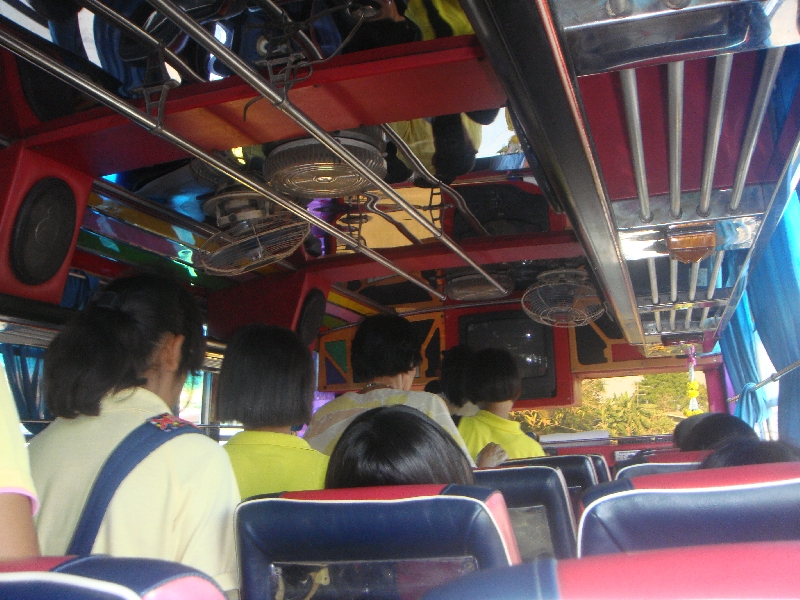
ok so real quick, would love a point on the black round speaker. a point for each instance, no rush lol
(311, 315)
(43, 231)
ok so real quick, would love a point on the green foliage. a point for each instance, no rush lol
(653, 408)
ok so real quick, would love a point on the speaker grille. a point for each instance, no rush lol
(43, 231)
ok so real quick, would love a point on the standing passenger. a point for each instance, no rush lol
(267, 384)
(494, 384)
(120, 366)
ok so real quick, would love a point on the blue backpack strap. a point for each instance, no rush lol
(132, 450)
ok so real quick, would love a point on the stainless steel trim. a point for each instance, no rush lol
(525, 46)
(673, 290)
(460, 203)
(692, 292)
(719, 92)
(153, 126)
(712, 285)
(281, 102)
(100, 9)
(675, 78)
(772, 64)
(630, 95)
(651, 269)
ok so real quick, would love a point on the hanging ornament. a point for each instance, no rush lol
(692, 386)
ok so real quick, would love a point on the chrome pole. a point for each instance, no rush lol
(152, 124)
(675, 77)
(712, 285)
(631, 98)
(692, 294)
(719, 92)
(673, 290)
(651, 268)
(768, 75)
(262, 86)
(269, 7)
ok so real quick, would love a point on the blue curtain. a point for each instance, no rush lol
(774, 289)
(739, 353)
(24, 367)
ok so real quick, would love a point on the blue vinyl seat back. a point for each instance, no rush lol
(711, 506)
(527, 487)
(600, 467)
(578, 469)
(455, 523)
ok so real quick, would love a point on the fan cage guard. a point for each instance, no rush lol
(562, 299)
(261, 244)
(473, 287)
(307, 169)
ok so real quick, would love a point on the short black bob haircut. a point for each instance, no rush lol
(492, 376)
(112, 342)
(396, 445)
(384, 346)
(750, 452)
(267, 378)
(455, 363)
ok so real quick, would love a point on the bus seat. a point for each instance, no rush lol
(600, 467)
(99, 577)
(538, 502)
(389, 540)
(649, 468)
(731, 504)
(578, 470)
(677, 573)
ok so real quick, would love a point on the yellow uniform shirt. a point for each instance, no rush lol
(265, 463)
(449, 11)
(330, 421)
(15, 474)
(487, 427)
(177, 504)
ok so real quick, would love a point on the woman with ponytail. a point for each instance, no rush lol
(115, 372)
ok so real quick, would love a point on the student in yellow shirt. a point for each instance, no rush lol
(267, 384)
(492, 381)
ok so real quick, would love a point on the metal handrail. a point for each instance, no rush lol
(154, 126)
(772, 378)
(282, 103)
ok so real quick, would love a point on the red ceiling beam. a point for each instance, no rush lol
(484, 251)
(422, 79)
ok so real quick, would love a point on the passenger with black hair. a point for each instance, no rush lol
(396, 445)
(384, 356)
(494, 384)
(267, 384)
(114, 372)
(714, 430)
(455, 362)
(750, 452)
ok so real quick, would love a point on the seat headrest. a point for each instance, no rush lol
(524, 487)
(677, 456)
(641, 469)
(578, 469)
(727, 505)
(372, 524)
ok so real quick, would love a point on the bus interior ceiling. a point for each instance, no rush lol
(660, 142)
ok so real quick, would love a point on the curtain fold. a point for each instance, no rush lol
(24, 367)
(774, 289)
(739, 353)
